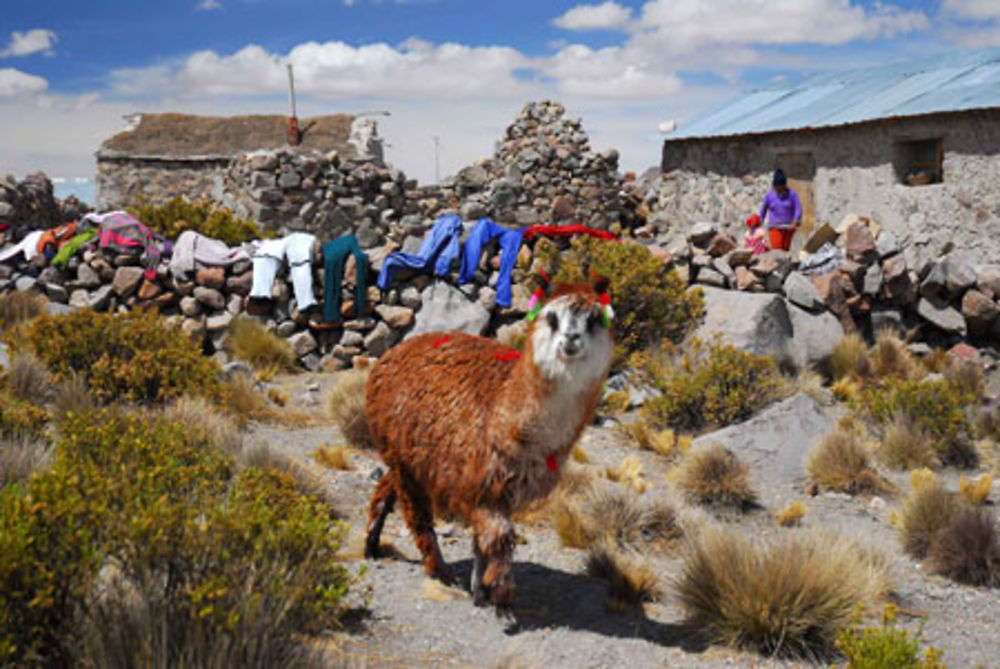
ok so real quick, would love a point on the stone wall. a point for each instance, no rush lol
(724, 180)
(123, 180)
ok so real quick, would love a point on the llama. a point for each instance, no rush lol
(476, 431)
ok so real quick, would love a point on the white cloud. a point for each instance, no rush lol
(208, 5)
(688, 24)
(612, 72)
(332, 70)
(15, 83)
(30, 42)
(605, 16)
(972, 10)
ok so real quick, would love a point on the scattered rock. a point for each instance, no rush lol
(445, 308)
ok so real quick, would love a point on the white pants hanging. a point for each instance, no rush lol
(299, 252)
(265, 269)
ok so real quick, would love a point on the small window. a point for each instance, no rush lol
(919, 162)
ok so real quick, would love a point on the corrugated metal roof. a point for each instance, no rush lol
(952, 82)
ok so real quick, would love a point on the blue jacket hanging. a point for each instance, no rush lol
(436, 254)
(510, 244)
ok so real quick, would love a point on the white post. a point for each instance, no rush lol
(291, 90)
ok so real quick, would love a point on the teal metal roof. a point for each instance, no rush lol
(952, 82)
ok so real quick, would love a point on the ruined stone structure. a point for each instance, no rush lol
(166, 155)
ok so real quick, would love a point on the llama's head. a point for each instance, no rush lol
(571, 338)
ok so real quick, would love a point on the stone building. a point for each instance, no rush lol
(915, 146)
(165, 155)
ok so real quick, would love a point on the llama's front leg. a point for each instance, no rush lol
(493, 556)
(419, 515)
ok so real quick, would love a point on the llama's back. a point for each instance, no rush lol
(429, 398)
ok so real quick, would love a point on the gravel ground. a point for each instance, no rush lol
(559, 616)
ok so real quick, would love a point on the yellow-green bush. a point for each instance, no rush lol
(131, 357)
(650, 303)
(21, 419)
(710, 385)
(177, 215)
(885, 646)
(212, 563)
(936, 407)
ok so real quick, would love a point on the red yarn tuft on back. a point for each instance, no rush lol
(505, 356)
(437, 343)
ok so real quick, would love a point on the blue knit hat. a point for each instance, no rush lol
(779, 178)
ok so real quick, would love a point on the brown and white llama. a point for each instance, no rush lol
(476, 431)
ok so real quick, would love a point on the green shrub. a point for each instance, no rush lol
(937, 407)
(177, 215)
(20, 419)
(198, 562)
(885, 646)
(650, 303)
(130, 357)
(711, 385)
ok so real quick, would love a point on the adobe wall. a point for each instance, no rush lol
(723, 180)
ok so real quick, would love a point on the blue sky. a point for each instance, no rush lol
(459, 69)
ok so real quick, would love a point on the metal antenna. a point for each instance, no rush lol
(437, 159)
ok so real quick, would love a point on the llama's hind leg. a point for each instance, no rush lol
(494, 552)
(383, 500)
(419, 515)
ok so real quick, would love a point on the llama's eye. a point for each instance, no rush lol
(553, 321)
(593, 320)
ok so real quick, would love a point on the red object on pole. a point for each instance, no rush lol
(294, 135)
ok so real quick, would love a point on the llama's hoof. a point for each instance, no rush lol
(480, 596)
(371, 550)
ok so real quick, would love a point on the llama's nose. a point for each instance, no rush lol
(572, 344)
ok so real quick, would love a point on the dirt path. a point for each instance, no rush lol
(560, 618)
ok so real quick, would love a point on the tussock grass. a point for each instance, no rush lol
(19, 307)
(615, 514)
(28, 378)
(787, 597)
(845, 389)
(666, 442)
(714, 476)
(926, 510)
(247, 403)
(265, 351)
(975, 492)
(792, 514)
(967, 549)
(889, 357)
(907, 446)
(849, 358)
(205, 425)
(629, 473)
(308, 480)
(841, 462)
(966, 377)
(631, 580)
(334, 457)
(20, 456)
(346, 405)
(71, 397)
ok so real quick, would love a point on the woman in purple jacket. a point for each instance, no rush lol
(782, 211)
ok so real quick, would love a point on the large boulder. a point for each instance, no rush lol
(754, 322)
(446, 308)
(814, 336)
(942, 315)
(775, 442)
(801, 291)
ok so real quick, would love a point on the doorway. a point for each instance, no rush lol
(800, 167)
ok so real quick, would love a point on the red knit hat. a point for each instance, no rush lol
(753, 221)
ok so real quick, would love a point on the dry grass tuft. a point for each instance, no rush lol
(308, 480)
(792, 514)
(786, 597)
(247, 403)
(28, 378)
(277, 396)
(436, 591)
(579, 455)
(928, 509)
(975, 492)
(265, 351)
(967, 549)
(631, 581)
(845, 389)
(71, 397)
(665, 442)
(889, 357)
(841, 462)
(613, 514)
(205, 424)
(346, 405)
(906, 446)
(19, 307)
(715, 477)
(334, 457)
(629, 473)
(849, 358)
(966, 377)
(20, 456)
